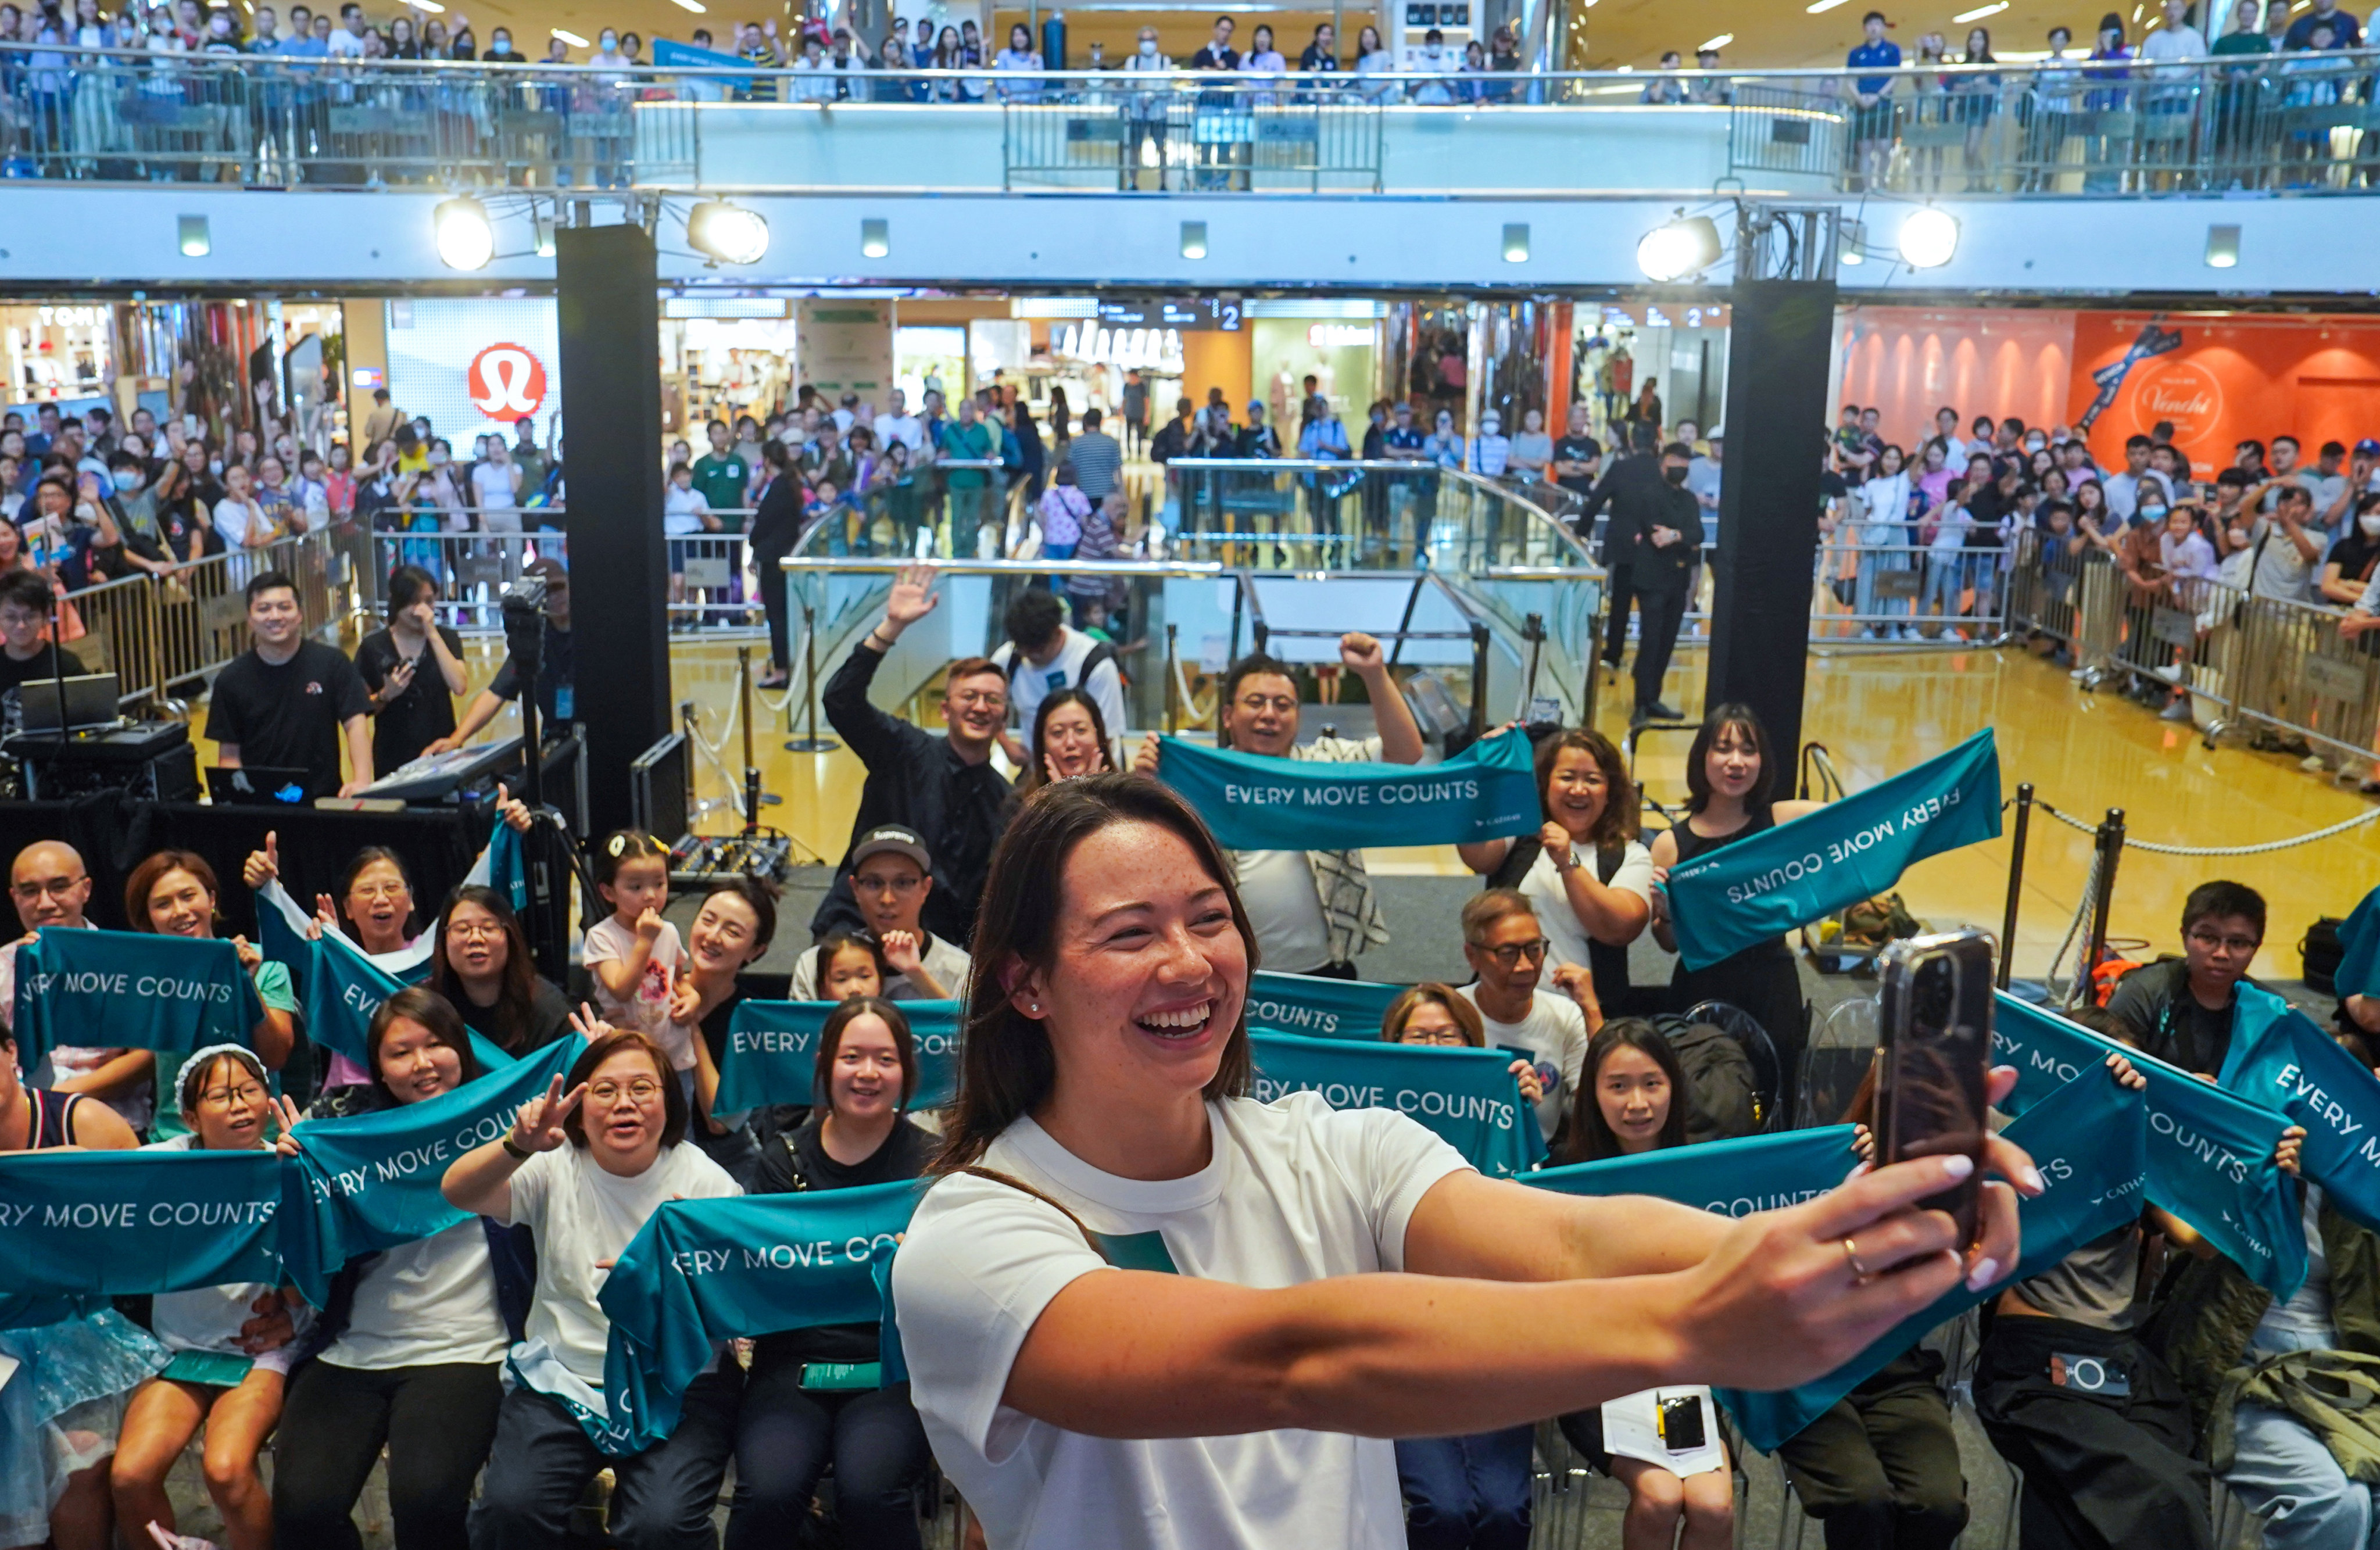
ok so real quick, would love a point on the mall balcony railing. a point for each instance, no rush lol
(2302, 122)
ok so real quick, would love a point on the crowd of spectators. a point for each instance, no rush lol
(1604, 1064)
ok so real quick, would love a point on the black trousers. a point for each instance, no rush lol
(2102, 1471)
(1880, 1469)
(784, 1439)
(1619, 591)
(661, 1498)
(772, 603)
(437, 1422)
(1657, 638)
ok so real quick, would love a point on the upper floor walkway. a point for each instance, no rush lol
(2290, 124)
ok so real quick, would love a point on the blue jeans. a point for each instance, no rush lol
(1877, 613)
(2284, 1471)
(1468, 1493)
(1945, 578)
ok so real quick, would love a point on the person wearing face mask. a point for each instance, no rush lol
(2346, 573)
(1664, 546)
(812, 1397)
(409, 1353)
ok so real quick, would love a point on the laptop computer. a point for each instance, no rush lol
(257, 784)
(89, 701)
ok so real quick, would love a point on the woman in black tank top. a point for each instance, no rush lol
(37, 1120)
(1728, 773)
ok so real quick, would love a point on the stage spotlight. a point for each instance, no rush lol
(1928, 238)
(465, 239)
(1685, 246)
(728, 233)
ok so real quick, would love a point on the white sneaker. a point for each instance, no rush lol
(2170, 672)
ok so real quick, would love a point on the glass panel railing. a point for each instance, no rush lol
(2300, 121)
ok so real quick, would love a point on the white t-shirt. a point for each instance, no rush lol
(1277, 889)
(424, 1304)
(947, 964)
(210, 1318)
(1295, 1191)
(1543, 888)
(491, 484)
(581, 1214)
(1029, 680)
(1555, 1033)
(682, 511)
(907, 430)
(608, 940)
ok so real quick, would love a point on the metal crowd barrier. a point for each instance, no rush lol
(161, 634)
(2245, 661)
(2298, 121)
(1908, 593)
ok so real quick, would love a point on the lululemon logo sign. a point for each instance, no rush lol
(506, 382)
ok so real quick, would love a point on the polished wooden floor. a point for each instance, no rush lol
(1877, 713)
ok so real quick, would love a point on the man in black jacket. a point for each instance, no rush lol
(943, 787)
(1665, 538)
(1631, 487)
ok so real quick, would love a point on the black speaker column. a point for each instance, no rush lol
(610, 313)
(1778, 346)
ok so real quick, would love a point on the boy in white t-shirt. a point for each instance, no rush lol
(633, 952)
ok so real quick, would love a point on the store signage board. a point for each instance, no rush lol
(1189, 314)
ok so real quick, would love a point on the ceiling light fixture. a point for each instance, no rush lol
(1712, 45)
(567, 36)
(727, 233)
(1929, 237)
(1980, 12)
(1671, 251)
(465, 239)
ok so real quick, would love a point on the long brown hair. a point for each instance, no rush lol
(1007, 1066)
(1618, 819)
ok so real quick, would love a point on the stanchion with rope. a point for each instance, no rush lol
(2110, 849)
(810, 742)
(2016, 881)
(1173, 689)
(755, 850)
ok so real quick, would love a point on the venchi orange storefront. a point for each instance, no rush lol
(2220, 378)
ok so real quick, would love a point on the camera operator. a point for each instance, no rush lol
(556, 661)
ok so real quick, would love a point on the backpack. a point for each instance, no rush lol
(1010, 662)
(2319, 952)
(1724, 1088)
(1608, 964)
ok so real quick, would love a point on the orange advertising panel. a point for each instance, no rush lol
(1909, 361)
(2223, 380)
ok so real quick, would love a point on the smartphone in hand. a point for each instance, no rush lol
(1936, 1022)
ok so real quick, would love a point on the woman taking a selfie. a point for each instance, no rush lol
(1237, 1385)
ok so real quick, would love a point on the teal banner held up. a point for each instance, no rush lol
(1469, 1096)
(2358, 951)
(702, 1271)
(370, 1182)
(1256, 803)
(2210, 1153)
(1732, 1178)
(340, 987)
(2090, 1141)
(116, 1223)
(2281, 1059)
(133, 989)
(1757, 890)
(773, 1052)
(1318, 1007)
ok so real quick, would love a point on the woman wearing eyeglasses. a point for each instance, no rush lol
(584, 1166)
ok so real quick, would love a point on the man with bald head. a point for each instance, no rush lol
(51, 888)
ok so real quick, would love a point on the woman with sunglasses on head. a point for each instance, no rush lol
(584, 1166)
(812, 1397)
(1729, 774)
(231, 1344)
(1247, 1400)
(482, 964)
(408, 1351)
(1587, 871)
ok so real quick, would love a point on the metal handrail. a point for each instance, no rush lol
(1005, 567)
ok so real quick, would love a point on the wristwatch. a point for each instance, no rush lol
(514, 1149)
